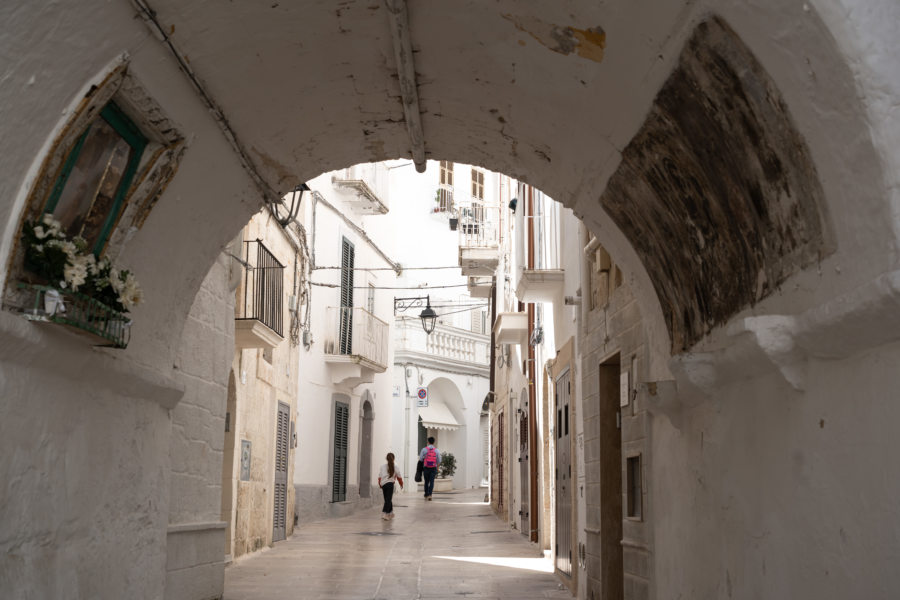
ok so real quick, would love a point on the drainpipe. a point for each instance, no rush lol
(493, 371)
(532, 409)
(589, 248)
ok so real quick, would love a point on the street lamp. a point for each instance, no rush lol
(296, 197)
(428, 316)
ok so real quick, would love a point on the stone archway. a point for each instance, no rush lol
(446, 403)
(554, 95)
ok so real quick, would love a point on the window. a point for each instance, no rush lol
(346, 318)
(479, 321)
(447, 173)
(89, 195)
(477, 184)
(633, 491)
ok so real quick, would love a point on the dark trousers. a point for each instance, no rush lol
(388, 490)
(429, 473)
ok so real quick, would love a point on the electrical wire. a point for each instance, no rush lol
(385, 287)
(453, 312)
(402, 268)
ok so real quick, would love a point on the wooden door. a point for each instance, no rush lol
(563, 476)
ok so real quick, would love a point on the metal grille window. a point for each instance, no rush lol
(263, 287)
(339, 467)
(346, 320)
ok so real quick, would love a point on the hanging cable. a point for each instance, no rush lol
(386, 268)
(385, 287)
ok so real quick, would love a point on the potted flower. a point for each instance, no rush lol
(446, 469)
(76, 288)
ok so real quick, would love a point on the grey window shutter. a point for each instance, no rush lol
(341, 436)
(282, 434)
(347, 263)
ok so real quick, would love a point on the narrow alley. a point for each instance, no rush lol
(450, 548)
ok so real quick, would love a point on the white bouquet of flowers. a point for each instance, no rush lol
(71, 267)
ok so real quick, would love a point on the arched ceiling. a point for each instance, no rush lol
(565, 95)
(553, 94)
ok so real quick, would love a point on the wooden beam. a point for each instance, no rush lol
(406, 72)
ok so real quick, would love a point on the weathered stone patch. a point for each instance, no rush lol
(717, 192)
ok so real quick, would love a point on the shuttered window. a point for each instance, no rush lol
(282, 432)
(341, 435)
(346, 325)
(477, 184)
(479, 321)
(447, 173)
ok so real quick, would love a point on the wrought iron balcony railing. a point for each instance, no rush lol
(477, 224)
(263, 288)
(79, 313)
(443, 199)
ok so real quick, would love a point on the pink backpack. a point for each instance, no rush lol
(430, 458)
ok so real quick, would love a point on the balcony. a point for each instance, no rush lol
(446, 348)
(479, 247)
(479, 287)
(511, 328)
(443, 199)
(357, 347)
(540, 285)
(259, 314)
(364, 187)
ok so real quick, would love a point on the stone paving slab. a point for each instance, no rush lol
(451, 548)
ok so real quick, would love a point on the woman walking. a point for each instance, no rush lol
(386, 478)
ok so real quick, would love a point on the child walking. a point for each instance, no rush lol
(386, 478)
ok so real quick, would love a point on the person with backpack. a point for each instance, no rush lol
(431, 458)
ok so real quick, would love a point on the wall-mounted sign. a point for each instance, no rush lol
(245, 460)
(422, 397)
(624, 388)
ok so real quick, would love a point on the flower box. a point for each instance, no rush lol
(79, 313)
(67, 284)
(443, 484)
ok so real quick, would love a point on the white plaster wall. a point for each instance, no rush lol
(85, 446)
(89, 431)
(196, 535)
(782, 494)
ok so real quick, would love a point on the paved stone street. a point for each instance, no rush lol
(451, 547)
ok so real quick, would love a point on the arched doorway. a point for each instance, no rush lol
(446, 418)
(367, 417)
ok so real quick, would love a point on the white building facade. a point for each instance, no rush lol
(344, 395)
